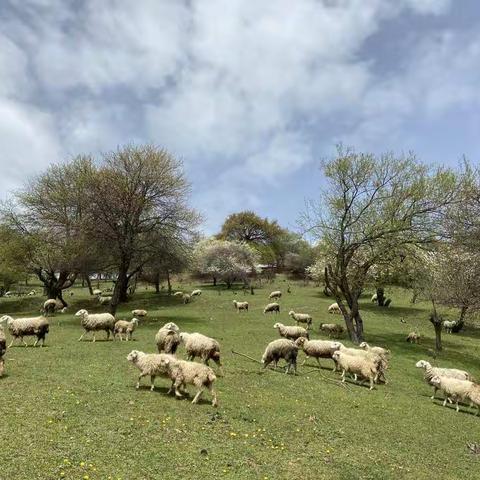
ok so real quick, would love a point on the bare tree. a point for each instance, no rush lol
(371, 208)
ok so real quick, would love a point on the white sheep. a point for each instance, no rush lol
(334, 308)
(281, 348)
(276, 294)
(32, 292)
(186, 298)
(104, 300)
(474, 396)
(431, 372)
(240, 306)
(27, 327)
(453, 388)
(183, 373)
(124, 327)
(94, 322)
(196, 293)
(332, 329)
(291, 332)
(378, 350)
(413, 337)
(139, 313)
(272, 307)
(178, 294)
(448, 325)
(97, 291)
(301, 318)
(356, 365)
(198, 345)
(318, 349)
(168, 338)
(149, 364)
(51, 306)
(374, 298)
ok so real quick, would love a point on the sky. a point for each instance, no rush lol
(251, 95)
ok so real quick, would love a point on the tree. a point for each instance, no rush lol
(13, 258)
(371, 209)
(139, 198)
(50, 214)
(225, 260)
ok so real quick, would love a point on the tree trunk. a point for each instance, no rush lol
(156, 282)
(414, 297)
(380, 297)
(461, 320)
(169, 283)
(436, 320)
(120, 289)
(214, 281)
(86, 278)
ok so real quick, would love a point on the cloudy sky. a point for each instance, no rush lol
(250, 94)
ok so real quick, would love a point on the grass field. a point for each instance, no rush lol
(70, 410)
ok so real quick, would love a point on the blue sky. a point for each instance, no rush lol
(250, 94)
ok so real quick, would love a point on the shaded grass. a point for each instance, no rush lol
(72, 407)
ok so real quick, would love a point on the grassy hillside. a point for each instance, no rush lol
(71, 410)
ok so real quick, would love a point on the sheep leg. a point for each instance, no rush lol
(343, 375)
(371, 383)
(214, 396)
(11, 343)
(306, 358)
(434, 392)
(82, 335)
(445, 402)
(24, 342)
(170, 390)
(139, 378)
(152, 383)
(178, 383)
(197, 396)
(35, 343)
(94, 337)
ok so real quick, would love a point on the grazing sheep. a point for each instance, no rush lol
(318, 349)
(94, 322)
(183, 373)
(448, 325)
(148, 364)
(178, 294)
(276, 294)
(139, 313)
(431, 372)
(186, 298)
(123, 327)
(374, 298)
(196, 293)
(240, 306)
(291, 332)
(104, 300)
(301, 318)
(198, 345)
(281, 348)
(51, 306)
(272, 307)
(334, 308)
(97, 291)
(168, 338)
(332, 329)
(474, 396)
(413, 337)
(27, 327)
(3, 349)
(453, 388)
(362, 366)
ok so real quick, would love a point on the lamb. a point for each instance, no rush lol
(139, 313)
(148, 364)
(291, 332)
(25, 327)
(413, 337)
(332, 329)
(240, 306)
(454, 388)
(183, 372)
(168, 338)
(318, 349)
(272, 307)
(431, 372)
(363, 366)
(95, 322)
(334, 308)
(281, 348)
(301, 318)
(448, 325)
(198, 345)
(123, 327)
(186, 298)
(196, 293)
(3, 349)
(104, 300)
(276, 294)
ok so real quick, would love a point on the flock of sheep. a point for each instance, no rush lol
(366, 363)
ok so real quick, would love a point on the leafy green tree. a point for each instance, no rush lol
(371, 208)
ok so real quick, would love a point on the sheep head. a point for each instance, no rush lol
(422, 364)
(6, 318)
(336, 355)
(364, 345)
(133, 356)
(81, 313)
(435, 380)
(278, 325)
(171, 326)
(300, 341)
